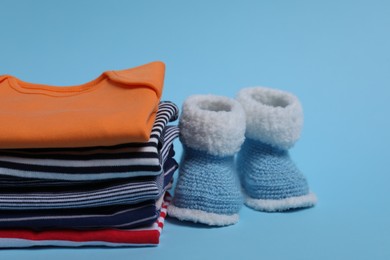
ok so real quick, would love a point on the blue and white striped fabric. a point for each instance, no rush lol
(115, 216)
(89, 194)
(119, 217)
(92, 163)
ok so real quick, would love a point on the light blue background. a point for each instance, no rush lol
(334, 55)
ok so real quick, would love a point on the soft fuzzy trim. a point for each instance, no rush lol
(199, 216)
(273, 116)
(305, 201)
(213, 124)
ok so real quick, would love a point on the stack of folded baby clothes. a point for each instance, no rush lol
(86, 165)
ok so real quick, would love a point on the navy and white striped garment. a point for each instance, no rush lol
(114, 216)
(120, 217)
(93, 163)
(83, 195)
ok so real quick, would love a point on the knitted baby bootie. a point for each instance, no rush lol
(212, 130)
(270, 179)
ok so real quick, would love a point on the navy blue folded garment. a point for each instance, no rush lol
(93, 163)
(114, 216)
(121, 217)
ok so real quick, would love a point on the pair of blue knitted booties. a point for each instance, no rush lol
(251, 136)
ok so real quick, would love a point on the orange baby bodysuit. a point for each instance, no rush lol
(117, 107)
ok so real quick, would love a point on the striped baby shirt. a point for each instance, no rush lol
(121, 216)
(143, 236)
(88, 194)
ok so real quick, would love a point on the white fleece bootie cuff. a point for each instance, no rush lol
(213, 124)
(273, 116)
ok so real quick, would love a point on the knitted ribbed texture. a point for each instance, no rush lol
(208, 183)
(270, 179)
(269, 173)
(208, 189)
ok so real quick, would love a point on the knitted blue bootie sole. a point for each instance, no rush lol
(200, 216)
(271, 205)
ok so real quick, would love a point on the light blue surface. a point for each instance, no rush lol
(334, 55)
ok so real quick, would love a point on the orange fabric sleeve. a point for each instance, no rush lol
(117, 107)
